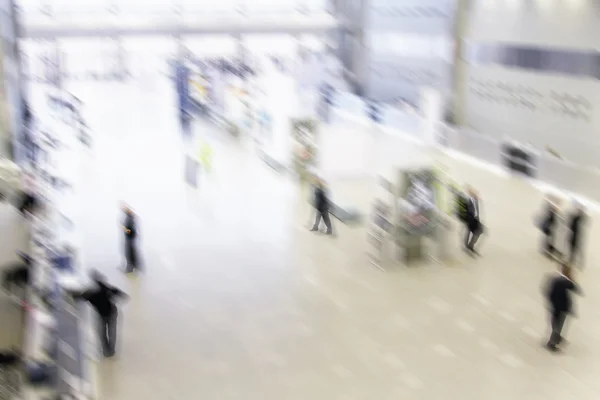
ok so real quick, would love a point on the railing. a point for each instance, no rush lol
(118, 12)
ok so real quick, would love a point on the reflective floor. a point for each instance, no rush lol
(240, 301)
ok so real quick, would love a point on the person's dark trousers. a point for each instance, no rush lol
(107, 329)
(131, 256)
(549, 242)
(574, 252)
(325, 215)
(557, 321)
(28, 203)
(472, 235)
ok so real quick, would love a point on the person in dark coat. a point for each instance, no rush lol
(130, 230)
(576, 223)
(472, 221)
(560, 304)
(28, 201)
(321, 204)
(103, 299)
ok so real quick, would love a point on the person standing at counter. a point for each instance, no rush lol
(130, 231)
(103, 299)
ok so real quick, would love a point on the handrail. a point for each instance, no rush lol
(577, 179)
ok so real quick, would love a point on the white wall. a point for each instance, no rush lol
(346, 150)
(538, 104)
(545, 110)
(553, 23)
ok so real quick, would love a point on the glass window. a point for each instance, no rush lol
(212, 46)
(210, 7)
(266, 7)
(275, 45)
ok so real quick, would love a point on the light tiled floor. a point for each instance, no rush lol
(239, 301)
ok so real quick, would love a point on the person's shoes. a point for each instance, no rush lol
(109, 354)
(330, 233)
(552, 347)
(314, 229)
(562, 342)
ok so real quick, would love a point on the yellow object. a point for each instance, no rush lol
(200, 88)
(205, 156)
(442, 185)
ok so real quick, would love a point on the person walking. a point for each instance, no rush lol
(472, 221)
(560, 304)
(321, 204)
(103, 299)
(130, 231)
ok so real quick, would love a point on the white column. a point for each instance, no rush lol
(10, 80)
(5, 125)
(433, 113)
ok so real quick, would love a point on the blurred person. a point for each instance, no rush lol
(472, 221)
(16, 274)
(549, 225)
(28, 201)
(28, 138)
(560, 304)
(102, 297)
(576, 222)
(27, 114)
(130, 230)
(321, 204)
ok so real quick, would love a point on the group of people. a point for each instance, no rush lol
(103, 297)
(562, 241)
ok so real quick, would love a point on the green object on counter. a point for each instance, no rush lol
(442, 189)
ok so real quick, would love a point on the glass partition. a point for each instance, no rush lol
(207, 8)
(88, 57)
(270, 7)
(146, 56)
(279, 45)
(207, 46)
